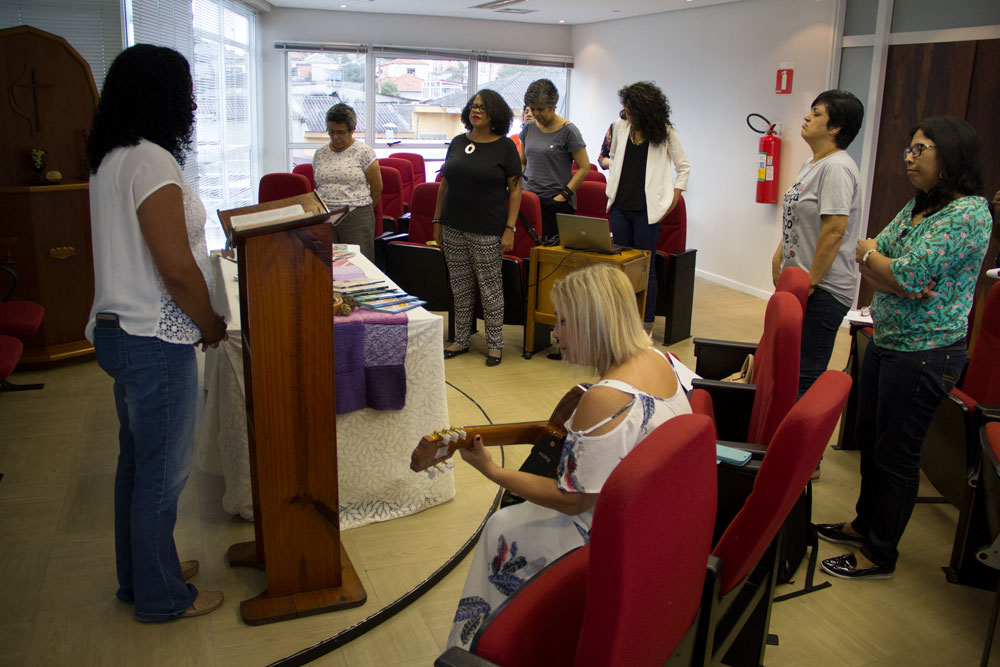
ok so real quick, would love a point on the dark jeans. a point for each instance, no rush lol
(820, 322)
(898, 395)
(156, 385)
(632, 229)
(549, 209)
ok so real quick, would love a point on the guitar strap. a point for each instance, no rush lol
(542, 461)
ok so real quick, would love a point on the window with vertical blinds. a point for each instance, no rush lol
(220, 40)
(92, 27)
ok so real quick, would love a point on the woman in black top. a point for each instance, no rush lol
(477, 206)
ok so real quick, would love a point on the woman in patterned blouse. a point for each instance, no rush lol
(347, 174)
(924, 266)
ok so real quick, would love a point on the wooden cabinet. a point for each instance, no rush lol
(45, 237)
(45, 228)
(552, 263)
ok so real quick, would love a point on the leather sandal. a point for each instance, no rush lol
(205, 603)
(448, 354)
(492, 361)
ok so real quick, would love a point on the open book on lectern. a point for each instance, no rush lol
(267, 217)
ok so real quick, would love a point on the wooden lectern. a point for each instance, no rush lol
(286, 305)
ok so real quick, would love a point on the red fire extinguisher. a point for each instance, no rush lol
(768, 160)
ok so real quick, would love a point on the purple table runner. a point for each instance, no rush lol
(369, 355)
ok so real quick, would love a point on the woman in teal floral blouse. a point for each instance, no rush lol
(924, 267)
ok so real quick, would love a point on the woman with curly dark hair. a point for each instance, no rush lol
(477, 205)
(640, 189)
(151, 307)
(550, 145)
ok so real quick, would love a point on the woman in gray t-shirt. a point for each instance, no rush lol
(550, 145)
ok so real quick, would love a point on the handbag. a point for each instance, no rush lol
(744, 375)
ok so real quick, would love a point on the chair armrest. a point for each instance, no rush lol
(732, 404)
(459, 657)
(715, 359)
(987, 413)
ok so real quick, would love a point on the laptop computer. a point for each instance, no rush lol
(578, 232)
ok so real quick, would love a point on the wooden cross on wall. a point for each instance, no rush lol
(34, 86)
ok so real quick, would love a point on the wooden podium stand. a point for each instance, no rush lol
(552, 263)
(286, 305)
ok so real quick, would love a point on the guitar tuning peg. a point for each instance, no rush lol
(462, 434)
(449, 464)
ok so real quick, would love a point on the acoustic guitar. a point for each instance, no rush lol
(440, 446)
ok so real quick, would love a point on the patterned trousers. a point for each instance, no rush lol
(475, 258)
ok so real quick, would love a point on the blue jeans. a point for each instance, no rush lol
(898, 395)
(155, 391)
(632, 229)
(820, 322)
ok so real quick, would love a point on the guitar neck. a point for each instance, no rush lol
(509, 434)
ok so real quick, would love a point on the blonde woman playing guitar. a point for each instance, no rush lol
(598, 326)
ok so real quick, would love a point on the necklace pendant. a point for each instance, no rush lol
(470, 149)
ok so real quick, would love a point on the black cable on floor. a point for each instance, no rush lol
(399, 604)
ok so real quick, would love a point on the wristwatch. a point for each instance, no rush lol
(511, 228)
(864, 257)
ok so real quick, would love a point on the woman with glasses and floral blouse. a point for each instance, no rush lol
(347, 174)
(474, 219)
(924, 266)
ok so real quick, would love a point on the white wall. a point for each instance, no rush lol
(716, 64)
(319, 26)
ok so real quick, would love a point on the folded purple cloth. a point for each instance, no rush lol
(369, 357)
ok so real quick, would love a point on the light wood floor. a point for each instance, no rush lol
(57, 607)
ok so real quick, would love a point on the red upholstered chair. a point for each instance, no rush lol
(529, 226)
(417, 161)
(794, 280)
(422, 213)
(10, 353)
(593, 167)
(776, 380)
(18, 317)
(675, 264)
(592, 200)
(392, 192)
(595, 176)
(307, 171)
(737, 612)
(630, 597)
(282, 185)
(405, 169)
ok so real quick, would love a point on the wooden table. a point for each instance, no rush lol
(554, 262)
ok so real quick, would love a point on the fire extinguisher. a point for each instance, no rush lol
(768, 160)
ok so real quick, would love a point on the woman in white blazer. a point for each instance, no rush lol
(641, 190)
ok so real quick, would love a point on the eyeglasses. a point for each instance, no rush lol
(916, 149)
(338, 133)
(477, 107)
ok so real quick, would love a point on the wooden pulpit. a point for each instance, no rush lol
(286, 305)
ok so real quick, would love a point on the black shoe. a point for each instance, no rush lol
(555, 356)
(448, 354)
(846, 567)
(834, 533)
(492, 361)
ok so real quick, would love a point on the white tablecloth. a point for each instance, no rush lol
(373, 446)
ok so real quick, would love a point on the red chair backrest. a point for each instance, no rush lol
(438, 176)
(417, 162)
(650, 540)
(791, 457)
(392, 192)
(422, 213)
(629, 596)
(405, 169)
(592, 200)
(796, 281)
(982, 380)
(282, 185)
(776, 367)
(530, 213)
(593, 167)
(673, 230)
(595, 176)
(307, 171)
